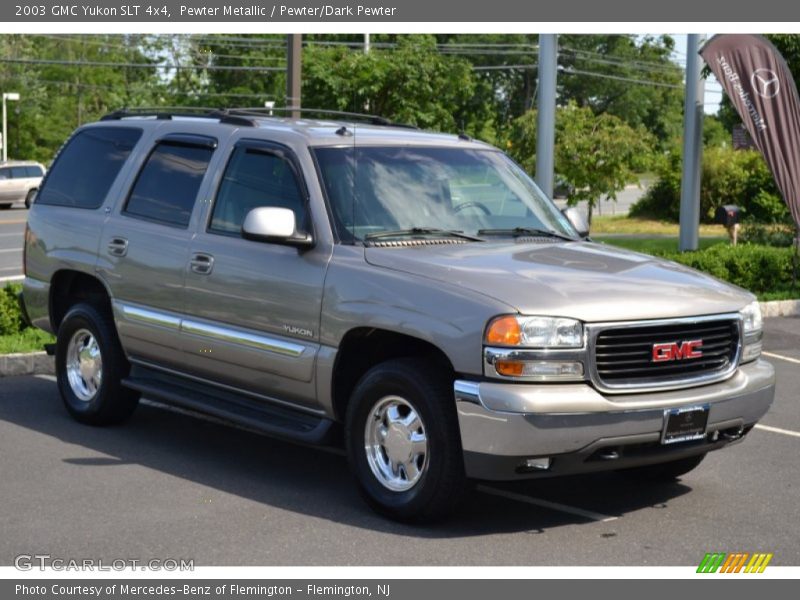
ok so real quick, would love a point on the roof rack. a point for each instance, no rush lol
(167, 113)
(267, 112)
(239, 116)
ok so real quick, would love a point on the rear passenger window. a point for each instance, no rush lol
(33, 171)
(87, 166)
(167, 186)
(255, 177)
(18, 173)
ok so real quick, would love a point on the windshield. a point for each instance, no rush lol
(377, 190)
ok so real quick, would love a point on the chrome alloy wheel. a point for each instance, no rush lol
(396, 444)
(84, 365)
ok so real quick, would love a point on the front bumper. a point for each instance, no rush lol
(581, 430)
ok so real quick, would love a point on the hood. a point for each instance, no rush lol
(583, 280)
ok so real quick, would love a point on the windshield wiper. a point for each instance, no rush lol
(525, 231)
(426, 231)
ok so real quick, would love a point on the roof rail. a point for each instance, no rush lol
(267, 112)
(169, 112)
(239, 116)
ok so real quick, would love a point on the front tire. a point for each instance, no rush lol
(90, 366)
(403, 441)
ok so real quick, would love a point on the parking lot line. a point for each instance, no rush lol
(778, 430)
(588, 514)
(18, 234)
(14, 222)
(7, 250)
(781, 357)
(13, 277)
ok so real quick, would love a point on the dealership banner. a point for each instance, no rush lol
(761, 87)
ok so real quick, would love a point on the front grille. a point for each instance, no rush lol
(623, 355)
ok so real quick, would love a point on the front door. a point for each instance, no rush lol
(253, 308)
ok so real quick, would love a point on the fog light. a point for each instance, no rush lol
(542, 369)
(537, 464)
(751, 352)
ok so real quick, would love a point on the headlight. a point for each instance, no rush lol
(535, 332)
(751, 314)
(752, 324)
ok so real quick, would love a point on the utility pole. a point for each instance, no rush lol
(692, 145)
(294, 52)
(546, 117)
(366, 43)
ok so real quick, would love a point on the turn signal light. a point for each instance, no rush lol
(504, 331)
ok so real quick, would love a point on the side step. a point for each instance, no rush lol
(270, 419)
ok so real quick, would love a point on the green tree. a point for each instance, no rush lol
(411, 83)
(596, 155)
(628, 76)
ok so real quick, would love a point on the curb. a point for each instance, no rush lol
(30, 363)
(780, 308)
(38, 363)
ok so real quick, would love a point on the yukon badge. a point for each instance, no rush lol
(677, 350)
(293, 330)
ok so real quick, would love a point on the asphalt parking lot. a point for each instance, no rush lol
(169, 485)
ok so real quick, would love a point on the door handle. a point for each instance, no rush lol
(118, 246)
(201, 263)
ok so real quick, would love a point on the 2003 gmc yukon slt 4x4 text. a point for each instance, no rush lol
(417, 289)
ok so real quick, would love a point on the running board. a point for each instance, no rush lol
(269, 419)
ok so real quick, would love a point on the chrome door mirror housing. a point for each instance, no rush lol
(275, 225)
(577, 220)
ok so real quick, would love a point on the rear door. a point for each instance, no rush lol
(144, 246)
(7, 194)
(253, 308)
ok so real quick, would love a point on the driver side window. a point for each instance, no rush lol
(255, 177)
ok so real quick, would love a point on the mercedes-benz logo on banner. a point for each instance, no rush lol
(765, 83)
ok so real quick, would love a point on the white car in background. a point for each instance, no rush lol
(19, 181)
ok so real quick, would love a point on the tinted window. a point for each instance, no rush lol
(19, 172)
(87, 166)
(168, 183)
(254, 178)
(5, 173)
(33, 171)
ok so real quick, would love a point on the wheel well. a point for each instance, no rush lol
(363, 348)
(67, 288)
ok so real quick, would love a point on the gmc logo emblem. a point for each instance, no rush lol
(677, 350)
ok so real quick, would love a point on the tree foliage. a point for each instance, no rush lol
(596, 155)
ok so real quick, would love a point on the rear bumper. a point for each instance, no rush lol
(581, 430)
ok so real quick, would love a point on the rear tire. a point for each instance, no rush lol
(403, 441)
(90, 366)
(669, 471)
(5, 206)
(29, 198)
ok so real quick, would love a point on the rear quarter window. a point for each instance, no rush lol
(87, 166)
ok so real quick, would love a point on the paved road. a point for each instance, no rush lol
(12, 230)
(168, 485)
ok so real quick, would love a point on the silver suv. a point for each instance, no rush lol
(414, 292)
(19, 180)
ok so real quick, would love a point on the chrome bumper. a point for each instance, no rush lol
(502, 424)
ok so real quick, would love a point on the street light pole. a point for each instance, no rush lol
(13, 96)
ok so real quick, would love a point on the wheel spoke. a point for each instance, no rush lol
(412, 421)
(419, 444)
(411, 471)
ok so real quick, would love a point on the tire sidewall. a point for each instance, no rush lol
(82, 317)
(377, 384)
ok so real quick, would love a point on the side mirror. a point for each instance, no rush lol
(276, 226)
(576, 219)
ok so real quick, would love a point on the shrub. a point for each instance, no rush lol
(778, 235)
(759, 269)
(729, 176)
(10, 316)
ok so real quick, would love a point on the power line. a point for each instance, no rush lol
(89, 63)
